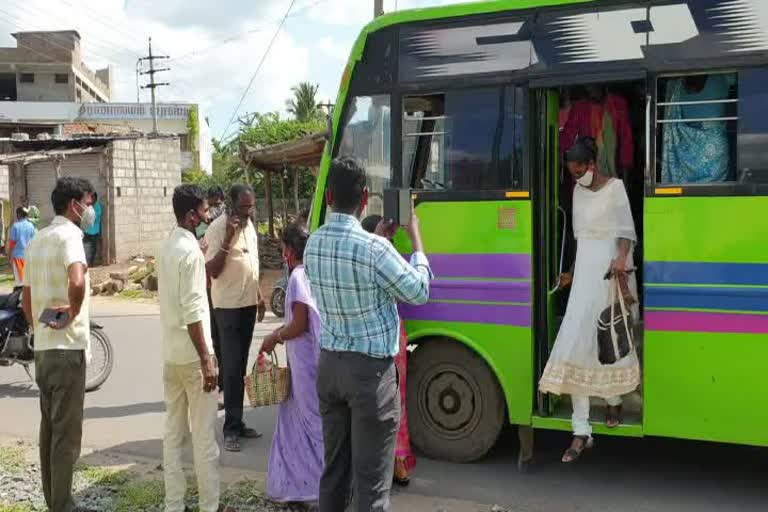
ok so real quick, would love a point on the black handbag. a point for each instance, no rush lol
(614, 329)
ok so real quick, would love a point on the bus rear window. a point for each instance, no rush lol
(469, 139)
(366, 137)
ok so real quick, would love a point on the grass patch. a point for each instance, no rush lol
(15, 508)
(12, 459)
(140, 495)
(244, 492)
(104, 477)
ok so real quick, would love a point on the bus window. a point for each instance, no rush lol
(366, 137)
(753, 125)
(469, 139)
(697, 121)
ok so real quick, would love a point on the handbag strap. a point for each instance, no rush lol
(624, 314)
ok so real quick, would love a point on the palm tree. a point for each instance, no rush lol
(303, 105)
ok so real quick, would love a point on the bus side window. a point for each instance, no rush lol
(466, 139)
(696, 126)
(753, 126)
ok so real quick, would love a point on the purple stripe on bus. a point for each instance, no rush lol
(471, 313)
(689, 321)
(488, 266)
(480, 291)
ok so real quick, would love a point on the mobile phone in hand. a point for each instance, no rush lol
(52, 316)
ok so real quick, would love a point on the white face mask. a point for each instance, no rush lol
(87, 217)
(586, 179)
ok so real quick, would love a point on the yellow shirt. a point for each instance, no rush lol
(49, 256)
(238, 284)
(183, 296)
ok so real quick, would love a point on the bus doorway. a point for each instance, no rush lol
(614, 114)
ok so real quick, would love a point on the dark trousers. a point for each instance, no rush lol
(92, 244)
(235, 334)
(60, 375)
(216, 342)
(360, 409)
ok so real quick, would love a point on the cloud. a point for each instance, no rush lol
(334, 49)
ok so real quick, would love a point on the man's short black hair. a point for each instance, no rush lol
(68, 189)
(216, 192)
(346, 181)
(238, 190)
(22, 212)
(186, 198)
(295, 236)
(370, 222)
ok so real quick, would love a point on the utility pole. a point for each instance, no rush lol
(152, 85)
(378, 8)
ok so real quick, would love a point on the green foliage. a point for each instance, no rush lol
(140, 495)
(303, 105)
(104, 476)
(12, 459)
(15, 508)
(193, 128)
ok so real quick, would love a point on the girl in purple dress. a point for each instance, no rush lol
(296, 458)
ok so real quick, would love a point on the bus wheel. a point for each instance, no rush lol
(455, 406)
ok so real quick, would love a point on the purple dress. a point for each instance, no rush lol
(296, 458)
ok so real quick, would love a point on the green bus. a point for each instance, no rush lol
(471, 106)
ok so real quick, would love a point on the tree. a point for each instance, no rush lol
(304, 105)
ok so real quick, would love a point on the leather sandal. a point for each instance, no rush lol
(613, 416)
(572, 454)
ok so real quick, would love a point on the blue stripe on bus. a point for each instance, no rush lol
(736, 274)
(719, 299)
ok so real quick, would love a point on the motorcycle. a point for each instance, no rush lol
(17, 343)
(277, 301)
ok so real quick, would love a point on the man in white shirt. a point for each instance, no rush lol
(190, 369)
(56, 281)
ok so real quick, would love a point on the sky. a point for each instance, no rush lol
(214, 45)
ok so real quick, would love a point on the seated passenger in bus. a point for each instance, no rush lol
(695, 147)
(605, 234)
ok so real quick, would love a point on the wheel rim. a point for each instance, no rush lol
(99, 359)
(450, 401)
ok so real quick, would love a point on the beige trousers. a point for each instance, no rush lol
(189, 409)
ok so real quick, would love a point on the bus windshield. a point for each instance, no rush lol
(366, 137)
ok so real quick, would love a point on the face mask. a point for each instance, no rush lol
(586, 179)
(87, 216)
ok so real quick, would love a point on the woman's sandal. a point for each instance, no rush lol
(613, 416)
(573, 453)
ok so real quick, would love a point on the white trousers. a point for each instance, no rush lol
(189, 409)
(580, 417)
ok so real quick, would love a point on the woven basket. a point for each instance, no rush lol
(268, 385)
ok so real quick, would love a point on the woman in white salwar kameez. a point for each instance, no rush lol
(605, 234)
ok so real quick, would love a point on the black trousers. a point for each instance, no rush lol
(360, 410)
(235, 328)
(216, 342)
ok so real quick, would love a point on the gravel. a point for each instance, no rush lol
(105, 490)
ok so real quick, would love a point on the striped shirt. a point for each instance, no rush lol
(49, 256)
(357, 278)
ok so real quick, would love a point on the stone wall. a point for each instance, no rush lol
(144, 174)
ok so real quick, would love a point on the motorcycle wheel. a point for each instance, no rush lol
(277, 302)
(100, 366)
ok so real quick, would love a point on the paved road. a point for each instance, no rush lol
(628, 475)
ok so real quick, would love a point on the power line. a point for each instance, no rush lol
(255, 30)
(258, 68)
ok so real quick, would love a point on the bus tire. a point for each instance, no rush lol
(456, 408)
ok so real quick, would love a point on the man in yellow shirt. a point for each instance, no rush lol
(233, 266)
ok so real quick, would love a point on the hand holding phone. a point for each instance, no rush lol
(56, 318)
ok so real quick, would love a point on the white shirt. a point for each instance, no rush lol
(49, 256)
(238, 284)
(183, 297)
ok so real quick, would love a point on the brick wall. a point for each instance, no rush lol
(144, 174)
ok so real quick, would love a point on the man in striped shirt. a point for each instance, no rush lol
(357, 278)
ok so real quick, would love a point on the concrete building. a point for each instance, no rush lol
(48, 66)
(134, 177)
(64, 119)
